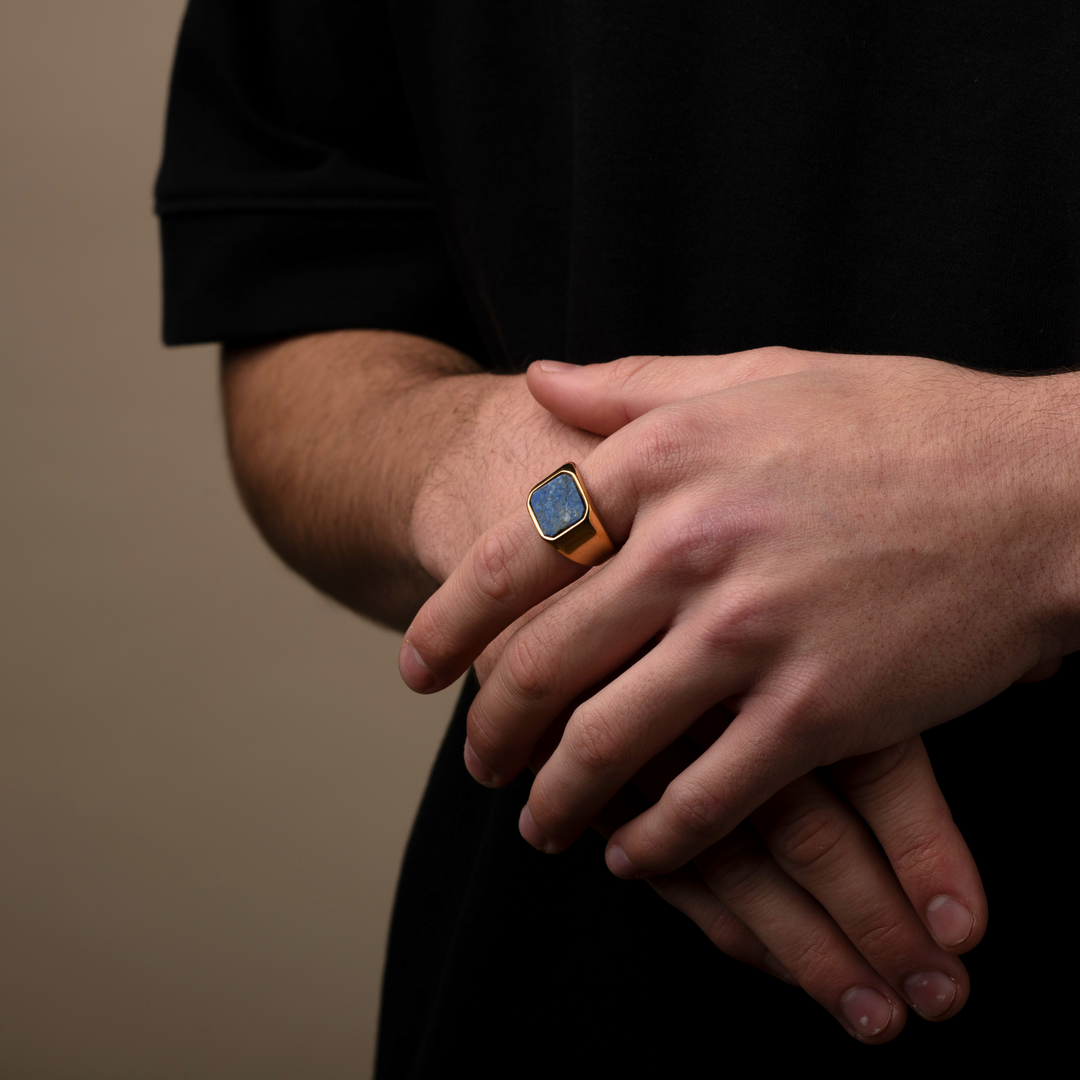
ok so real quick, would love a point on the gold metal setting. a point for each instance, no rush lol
(585, 541)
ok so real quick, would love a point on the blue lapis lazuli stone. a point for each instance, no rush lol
(557, 505)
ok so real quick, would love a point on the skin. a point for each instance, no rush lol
(789, 876)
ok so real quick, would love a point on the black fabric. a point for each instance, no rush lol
(583, 180)
(880, 177)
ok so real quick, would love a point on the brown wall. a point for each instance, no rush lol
(207, 771)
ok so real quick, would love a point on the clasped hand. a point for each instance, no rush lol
(834, 552)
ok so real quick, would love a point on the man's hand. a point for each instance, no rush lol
(844, 550)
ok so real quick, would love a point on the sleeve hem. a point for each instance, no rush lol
(264, 275)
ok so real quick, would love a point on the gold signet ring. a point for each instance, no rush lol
(563, 514)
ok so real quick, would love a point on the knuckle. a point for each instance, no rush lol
(920, 855)
(812, 959)
(661, 449)
(696, 811)
(689, 545)
(594, 743)
(806, 718)
(778, 357)
(809, 838)
(881, 940)
(737, 627)
(492, 566)
(530, 669)
(734, 874)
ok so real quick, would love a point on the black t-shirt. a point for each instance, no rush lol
(582, 180)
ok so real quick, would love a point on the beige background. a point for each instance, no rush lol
(207, 771)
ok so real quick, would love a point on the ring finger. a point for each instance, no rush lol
(822, 844)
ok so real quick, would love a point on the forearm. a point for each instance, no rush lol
(370, 460)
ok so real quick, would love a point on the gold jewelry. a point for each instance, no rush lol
(563, 514)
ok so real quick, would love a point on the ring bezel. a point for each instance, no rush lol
(585, 541)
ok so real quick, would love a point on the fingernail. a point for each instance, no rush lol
(778, 969)
(931, 992)
(477, 769)
(529, 830)
(866, 1011)
(417, 675)
(950, 922)
(556, 367)
(619, 864)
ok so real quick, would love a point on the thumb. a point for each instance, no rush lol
(604, 397)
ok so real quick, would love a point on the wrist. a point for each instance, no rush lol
(1047, 455)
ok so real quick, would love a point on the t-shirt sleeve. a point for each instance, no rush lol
(291, 195)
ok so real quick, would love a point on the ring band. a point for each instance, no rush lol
(563, 514)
